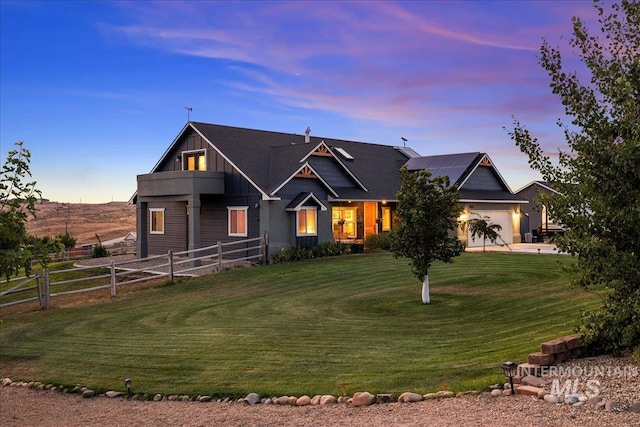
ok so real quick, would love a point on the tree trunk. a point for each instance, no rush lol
(425, 290)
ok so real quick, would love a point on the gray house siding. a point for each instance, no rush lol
(483, 178)
(175, 228)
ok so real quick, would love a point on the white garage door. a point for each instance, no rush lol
(495, 217)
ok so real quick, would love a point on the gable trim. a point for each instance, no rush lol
(302, 198)
(486, 162)
(265, 196)
(307, 167)
(331, 154)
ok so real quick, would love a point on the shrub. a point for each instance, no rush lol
(380, 241)
(322, 250)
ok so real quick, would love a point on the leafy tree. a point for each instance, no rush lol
(17, 202)
(484, 229)
(427, 222)
(598, 178)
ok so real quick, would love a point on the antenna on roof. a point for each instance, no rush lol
(404, 141)
(189, 110)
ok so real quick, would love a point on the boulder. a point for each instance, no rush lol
(252, 398)
(303, 401)
(408, 396)
(611, 405)
(204, 399)
(570, 399)
(496, 392)
(533, 381)
(527, 390)
(429, 396)
(282, 400)
(6, 382)
(542, 393)
(551, 398)
(594, 400)
(445, 394)
(635, 407)
(112, 394)
(315, 400)
(363, 398)
(292, 400)
(88, 393)
(328, 399)
(157, 397)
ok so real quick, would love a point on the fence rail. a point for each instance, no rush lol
(87, 278)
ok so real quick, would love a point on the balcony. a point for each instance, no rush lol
(180, 183)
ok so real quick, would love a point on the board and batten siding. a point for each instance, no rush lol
(214, 225)
(175, 228)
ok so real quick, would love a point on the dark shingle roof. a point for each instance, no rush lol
(268, 158)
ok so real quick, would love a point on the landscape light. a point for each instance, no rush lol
(127, 384)
(509, 369)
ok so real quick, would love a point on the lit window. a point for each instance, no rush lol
(157, 221)
(194, 161)
(386, 219)
(238, 221)
(344, 223)
(306, 222)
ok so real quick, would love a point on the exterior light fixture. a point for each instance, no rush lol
(509, 369)
(127, 384)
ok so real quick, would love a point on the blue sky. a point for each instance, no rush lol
(97, 90)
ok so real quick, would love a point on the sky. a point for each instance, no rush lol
(97, 91)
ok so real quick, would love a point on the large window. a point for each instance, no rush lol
(194, 160)
(344, 223)
(157, 220)
(307, 223)
(238, 221)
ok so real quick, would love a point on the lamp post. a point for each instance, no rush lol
(127, 384)
(509, 369)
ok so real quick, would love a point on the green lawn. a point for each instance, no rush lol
(333, 325)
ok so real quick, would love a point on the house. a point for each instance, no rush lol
(219, 183)
(536, 222)
(483, 192)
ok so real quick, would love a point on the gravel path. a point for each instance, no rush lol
(27, 407)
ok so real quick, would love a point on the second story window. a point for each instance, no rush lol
(194, 160)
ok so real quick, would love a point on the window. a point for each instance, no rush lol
(194, 160)
(386, 219)
(344, 223)
(306, 223)
(157, 220)
(238, 221)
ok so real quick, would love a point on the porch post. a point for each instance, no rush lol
(193, 211)
(142, 228)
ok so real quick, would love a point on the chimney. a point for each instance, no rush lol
(306, 135)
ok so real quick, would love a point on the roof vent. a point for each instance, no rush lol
(306, 135)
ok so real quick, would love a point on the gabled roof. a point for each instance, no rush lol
(460, 168)
(268, 159)
(541, 184)
(300, 201)
(456, 166)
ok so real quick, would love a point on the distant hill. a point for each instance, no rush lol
(83, 221)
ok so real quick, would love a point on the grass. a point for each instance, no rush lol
(333, 325)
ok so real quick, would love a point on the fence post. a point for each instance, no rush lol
(46, 288)
(219, 256)
(40, 300)
(113, 278)
(170, 255)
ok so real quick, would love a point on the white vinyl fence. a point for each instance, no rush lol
(43, 285)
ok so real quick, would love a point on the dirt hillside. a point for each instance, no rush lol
(83, 221)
